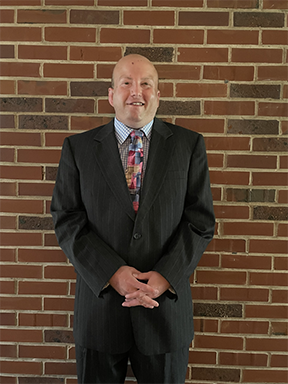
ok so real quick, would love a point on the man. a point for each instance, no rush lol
(133, 261)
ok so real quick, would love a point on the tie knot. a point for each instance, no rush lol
(137, 133)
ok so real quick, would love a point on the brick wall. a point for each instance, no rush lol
(223, 72)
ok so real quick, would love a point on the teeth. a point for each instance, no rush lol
(137, 104)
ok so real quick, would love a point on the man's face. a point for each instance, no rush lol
(135, 96)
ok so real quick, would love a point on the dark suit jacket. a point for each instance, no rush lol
(97, 228)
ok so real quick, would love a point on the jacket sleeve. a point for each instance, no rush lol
(92, 258)
(196, 228)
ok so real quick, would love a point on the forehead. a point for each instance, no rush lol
(135, 68)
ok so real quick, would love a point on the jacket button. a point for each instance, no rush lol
(137, 236)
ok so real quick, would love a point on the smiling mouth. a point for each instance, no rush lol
(137, 104)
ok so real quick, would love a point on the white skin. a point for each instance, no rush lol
(135, 99)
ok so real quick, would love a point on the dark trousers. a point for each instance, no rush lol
(97, 367)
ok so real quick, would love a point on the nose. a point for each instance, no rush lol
(135, 90)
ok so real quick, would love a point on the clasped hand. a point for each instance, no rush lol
(127, 281)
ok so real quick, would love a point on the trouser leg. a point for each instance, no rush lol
(166, 368)
(95, 367)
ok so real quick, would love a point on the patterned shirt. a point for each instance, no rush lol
(122, 133)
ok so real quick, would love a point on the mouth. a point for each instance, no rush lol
(138, 104)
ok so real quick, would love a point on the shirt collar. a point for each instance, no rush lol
(122, 131)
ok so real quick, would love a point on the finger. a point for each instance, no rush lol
(145, 288)
(142, 275)
(136, 302)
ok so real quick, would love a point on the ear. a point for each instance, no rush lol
(158, 96)
(110, 96)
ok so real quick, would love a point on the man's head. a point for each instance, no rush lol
(134, 93)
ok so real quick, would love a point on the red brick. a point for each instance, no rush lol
(273, 109)
(166, 89)
(60, 70)
(20, 69)
(39, 156)
(41, 256)
(123, 3)
(215, 160)
(279, 296)
(7, 51)
(269, 279)
(283, 230)
(201, 90)
(19, 172)
(184, 72)
(70, 2)
(21, 303)
(21, 206)
(52, 368)
(7, 121)
(8, 222)
(265, 375)
(204, 293)
(243, 294)
(248, 229)
(232, 3)
(272, 73)
(37, 16)
(232, 37)
(231, 212)
(203, 55)
(7, 16)
(178, 36)
(7, 287)
(252, 161)
(42, 320)
(229, 107)
(226, 245)
(126, 36)
(275, 37)
(275, 4)
(7, 189)
(218, 342)
(71, 34)
(21, 271)
(279, 328)
(180, 3)
(243, 359)
(237, 73)
(202, 357)
(42, 52)
(88, 122)
(95, 54)
(244, 326)
(105, 107)
(221, 277)
(59, 304)
(27, 87)
(20, 34)
(227, 143)
(8, 350)
(269, 178)
(59, 272)
(35, 189)
(272, 344)
(253, 55)
(17, 239)
(268, 246)
(279, 361)
(7, 254)
(20, 2)
(56, 139)
(206, 18)
(205, 325)
(7, 155)
(7, 87)
(226, 177)
(202, 126)
(19, 138)
(283, 196)
(42, 288)
(157, 18)
(21, 367)
(42, 352)
(209, 260)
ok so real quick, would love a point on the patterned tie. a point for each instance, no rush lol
(134, 167)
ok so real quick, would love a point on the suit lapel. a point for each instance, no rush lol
(108, 158)
(160, 153)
